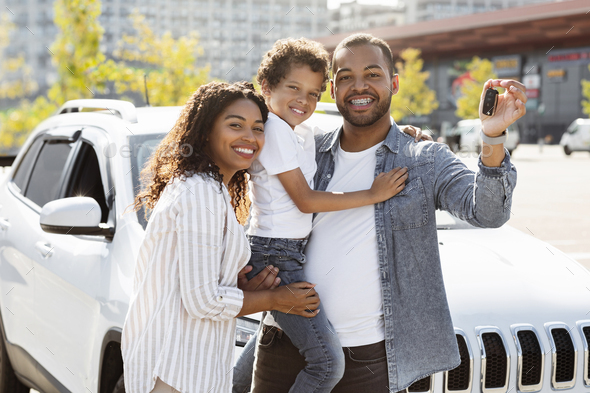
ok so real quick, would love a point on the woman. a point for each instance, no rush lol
(179, 333)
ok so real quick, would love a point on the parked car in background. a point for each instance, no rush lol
(465, 136)
(576, 137)
(68, 246)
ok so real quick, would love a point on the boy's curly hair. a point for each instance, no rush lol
(183, 151)
(277, 62)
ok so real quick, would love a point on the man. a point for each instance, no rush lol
(377, 269)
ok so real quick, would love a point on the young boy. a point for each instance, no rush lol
(293, 75)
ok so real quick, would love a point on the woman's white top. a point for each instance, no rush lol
(181, 321)
(274, 214)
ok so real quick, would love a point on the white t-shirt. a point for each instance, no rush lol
(342, 256)
(274, 214)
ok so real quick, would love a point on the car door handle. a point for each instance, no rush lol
(45, 249)
(4, 224)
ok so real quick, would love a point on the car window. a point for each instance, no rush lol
(85, 179)
(24, 168)
(45, 181)
(573, 129)
(142, 147)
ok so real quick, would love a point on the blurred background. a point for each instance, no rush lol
(159, 51)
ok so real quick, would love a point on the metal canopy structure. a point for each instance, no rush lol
(559, 25)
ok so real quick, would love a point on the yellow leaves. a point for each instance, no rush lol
(168, 63)
(586, 95)
(414, 96)
(18, 123)
(480, 71)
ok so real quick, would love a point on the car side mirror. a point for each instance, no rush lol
(73, 216)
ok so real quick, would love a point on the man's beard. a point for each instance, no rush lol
(366, 119)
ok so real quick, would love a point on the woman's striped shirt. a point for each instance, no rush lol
(181, 321)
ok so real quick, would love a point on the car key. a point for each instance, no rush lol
(490, 101)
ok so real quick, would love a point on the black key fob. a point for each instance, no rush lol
(489, 102)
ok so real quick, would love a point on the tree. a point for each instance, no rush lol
(167, 63)
(414, 97)
(586, 95)
(83, 70)
(76, 50)
(480, 71)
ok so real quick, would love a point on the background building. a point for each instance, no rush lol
(354, 16)
(547, 46)
(423, 10)
(234, 34)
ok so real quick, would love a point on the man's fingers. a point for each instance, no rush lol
(507, 83)
(518, 94)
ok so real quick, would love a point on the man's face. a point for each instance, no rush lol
(362, 85)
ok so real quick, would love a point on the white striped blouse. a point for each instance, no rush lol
(181, 321)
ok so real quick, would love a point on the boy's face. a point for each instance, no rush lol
(295, 97)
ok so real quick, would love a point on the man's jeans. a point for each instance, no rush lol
(278, 362)
(314, 337)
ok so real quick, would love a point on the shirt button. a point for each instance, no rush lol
(219, 298)
(329, 176)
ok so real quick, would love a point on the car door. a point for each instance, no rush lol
(68, 308)
(36, 180)
(17, 276)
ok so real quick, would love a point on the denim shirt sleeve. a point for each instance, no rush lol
(482, 199)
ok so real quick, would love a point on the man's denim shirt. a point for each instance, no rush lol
(419, 334)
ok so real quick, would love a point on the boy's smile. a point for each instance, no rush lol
(296, 96)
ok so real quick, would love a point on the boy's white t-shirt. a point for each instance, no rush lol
(274, 214)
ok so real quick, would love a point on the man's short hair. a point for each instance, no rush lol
(364, 39)
(277, 62)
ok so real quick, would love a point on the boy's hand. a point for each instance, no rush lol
(415, 132)
(389, 184)
(298, 298)
(266, 279)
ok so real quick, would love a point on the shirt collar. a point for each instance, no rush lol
(392, 140)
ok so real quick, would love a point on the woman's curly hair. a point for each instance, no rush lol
(182, 152)
(277, 62)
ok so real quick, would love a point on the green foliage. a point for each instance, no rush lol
(76, 49)
(83, 70)
(414, 97)
(480, 71)
(168, 63)
(17, 123)
(586, 95)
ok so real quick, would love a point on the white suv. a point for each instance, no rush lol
(68, 250)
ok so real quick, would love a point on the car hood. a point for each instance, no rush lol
(503, 276)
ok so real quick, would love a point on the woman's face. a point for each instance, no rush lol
(237, 137)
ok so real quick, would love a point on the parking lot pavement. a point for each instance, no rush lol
(552, 197)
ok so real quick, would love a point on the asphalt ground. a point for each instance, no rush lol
(552, 197)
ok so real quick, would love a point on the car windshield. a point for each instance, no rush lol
(142, 147)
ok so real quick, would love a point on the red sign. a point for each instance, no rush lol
(532, 93)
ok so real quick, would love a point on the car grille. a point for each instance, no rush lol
(459, 379)
(422, 385)
(565, 355)
(532, 358)
(496, 366)
(586, 331)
